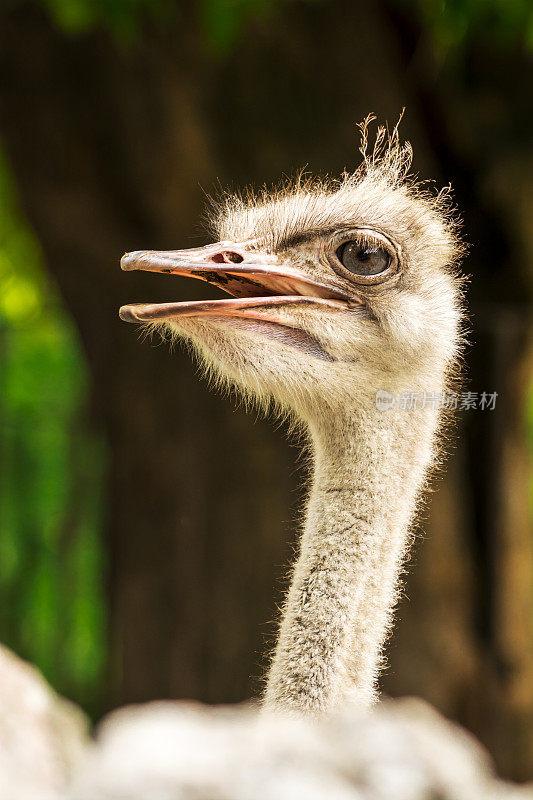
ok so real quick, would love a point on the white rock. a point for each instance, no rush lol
(402, 750)
(42, 736)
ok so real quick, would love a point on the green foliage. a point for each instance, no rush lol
(222, 21)
(51, 598)
(123, 18)
(454, 24)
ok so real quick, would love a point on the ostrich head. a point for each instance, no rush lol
(339, 288)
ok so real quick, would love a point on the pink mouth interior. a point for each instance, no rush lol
(257, 291)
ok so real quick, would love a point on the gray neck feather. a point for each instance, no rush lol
(369, 469)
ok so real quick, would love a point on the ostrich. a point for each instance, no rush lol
(346, 297)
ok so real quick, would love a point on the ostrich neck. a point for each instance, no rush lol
(368, 472)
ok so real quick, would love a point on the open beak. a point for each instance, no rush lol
(258, 285)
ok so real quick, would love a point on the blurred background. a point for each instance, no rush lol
(145, 523)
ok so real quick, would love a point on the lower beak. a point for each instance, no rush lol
(258, 284)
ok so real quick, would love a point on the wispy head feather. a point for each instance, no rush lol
(380, 193)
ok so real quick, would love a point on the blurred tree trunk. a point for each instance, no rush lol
(109, 148)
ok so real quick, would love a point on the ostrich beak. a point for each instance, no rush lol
(257, 282)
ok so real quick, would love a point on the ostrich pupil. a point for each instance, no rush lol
(363, 259)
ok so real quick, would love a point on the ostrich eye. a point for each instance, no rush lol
(363, 258)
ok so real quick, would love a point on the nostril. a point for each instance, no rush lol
(227, 257)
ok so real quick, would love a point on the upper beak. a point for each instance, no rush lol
(253, 277)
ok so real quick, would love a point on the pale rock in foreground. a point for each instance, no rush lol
(42, 736)
(402, 750)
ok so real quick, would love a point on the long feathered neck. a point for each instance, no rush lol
(369, 469)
